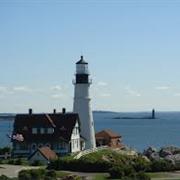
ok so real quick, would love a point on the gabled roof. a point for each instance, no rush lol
(46, 152)
(62, 123)
(82, 61)
(107, 132)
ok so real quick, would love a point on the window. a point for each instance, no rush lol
(73, 144)
(77, 143)
(62, 145)
(34, 130)
(50, 130)
(77, 130)
(42, 130)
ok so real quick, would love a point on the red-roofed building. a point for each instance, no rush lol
(44, 155)
(59, 131)
(108, 138)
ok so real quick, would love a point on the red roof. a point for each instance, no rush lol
(107, 132)
(48, 153)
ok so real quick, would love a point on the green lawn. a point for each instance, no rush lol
(61, 174)
(165, 176)
(154, 176)
(101, 176)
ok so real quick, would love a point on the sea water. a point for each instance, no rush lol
(136, 130)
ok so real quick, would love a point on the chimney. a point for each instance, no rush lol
(54, 111)
(30, 111)
(63, 110)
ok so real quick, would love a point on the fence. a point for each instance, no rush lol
(88, 151)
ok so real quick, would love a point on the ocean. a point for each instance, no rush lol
(138, 131)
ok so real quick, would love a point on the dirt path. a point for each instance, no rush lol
(168, 176)
(13, 170)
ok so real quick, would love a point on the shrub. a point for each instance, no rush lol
(142, 176)
(18, 161)
(116, 172)
(161, 165)
(3, 177)
(122, 171)
(141, 164)
(37, 163)
(24, 175)
(37, 174)
(50, 175)
(5, 150)
(10, 161)
(86, 165)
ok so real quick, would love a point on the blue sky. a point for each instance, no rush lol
(132, 48)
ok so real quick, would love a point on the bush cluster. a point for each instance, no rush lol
(5, 150)
(37, 174)
(162, 166)
(19, 161)
(127, 173)
(79, 165)
(36, 163)
(119, 166)
(3, 177)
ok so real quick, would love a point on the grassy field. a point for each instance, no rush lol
(165, 176)
(154, 176)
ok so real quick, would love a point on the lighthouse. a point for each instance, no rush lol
(82, 103)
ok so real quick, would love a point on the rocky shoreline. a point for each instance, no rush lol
(169, 153)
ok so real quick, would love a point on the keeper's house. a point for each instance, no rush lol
(58, 131)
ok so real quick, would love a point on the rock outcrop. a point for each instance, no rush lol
(169, 153)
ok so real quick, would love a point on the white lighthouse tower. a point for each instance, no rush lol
(82, 104)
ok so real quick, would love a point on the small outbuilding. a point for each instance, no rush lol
(108, 138)
(43, 155)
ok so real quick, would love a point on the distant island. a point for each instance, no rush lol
(7, 116)
(150, 117)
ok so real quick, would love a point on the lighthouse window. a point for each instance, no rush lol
(82, 78)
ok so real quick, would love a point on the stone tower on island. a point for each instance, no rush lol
(82, 104)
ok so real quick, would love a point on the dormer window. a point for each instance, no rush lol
(50, 130)
(42, 130)
(34, 130)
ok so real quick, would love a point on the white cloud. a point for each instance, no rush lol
(101, 83)
(21, 89)
(57, 96)
(56, 88)
(105, 95)
(177, 94)
(3, 89)
(1, 96)
(162, 87)
(132, 92)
